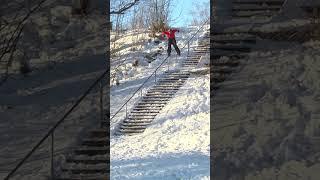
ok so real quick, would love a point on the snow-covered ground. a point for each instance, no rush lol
(176, 144)
(71, 55)
(266, 117)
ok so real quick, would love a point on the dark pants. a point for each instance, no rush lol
(174, 43)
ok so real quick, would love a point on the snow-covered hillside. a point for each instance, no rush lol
(268, 123)
(176, 144)
(69, 57)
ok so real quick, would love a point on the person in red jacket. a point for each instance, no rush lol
(171, 40)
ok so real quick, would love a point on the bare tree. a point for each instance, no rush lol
(14, 16)
(124, 7)
(200, 13)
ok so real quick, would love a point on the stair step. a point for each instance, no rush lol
(133, 127)
(85, 170)
(253, 7)
(230, 51)
(190, 63)
(260, 2)
(144, 111)
(168, 82)
(91, 176)
(144, 108)
(172, 80)
(99, 133)
(153, 103)
(140, 105)
(180, 73)
(168, 87)
(95, 142)
(131, 131)
(177, 82)
(175, 76)
(229, 63)
(162, 89)
(226, 41)
(92, 150)
(143, 115)
(87, 160)
(140, 118)
(231, 55)
(160, 94)
(137, 123)
(167, 90)
(158, 97)
(156, 100)
(194, 62)
(240, 48)
(221, 69)
(200, 52)
(253, 13)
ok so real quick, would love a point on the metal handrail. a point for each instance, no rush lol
(51, 131)
(154, 72)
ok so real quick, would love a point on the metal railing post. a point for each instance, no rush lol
(188, 47)
(155, 76)
(101, 103)
(52, 149)
(126, 111)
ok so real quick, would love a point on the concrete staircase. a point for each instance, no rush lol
(152, 102)
(159, 95)
(90, 160)
(227, 51)
(230, 44)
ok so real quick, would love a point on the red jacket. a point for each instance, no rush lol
(170, 33)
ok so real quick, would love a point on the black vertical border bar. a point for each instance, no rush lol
(212, 19)
(107, 101)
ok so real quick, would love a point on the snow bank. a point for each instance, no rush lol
(266, 117)
(176, 145)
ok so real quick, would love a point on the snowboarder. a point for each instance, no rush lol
(171, 40)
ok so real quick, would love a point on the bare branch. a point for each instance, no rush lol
(124, 8)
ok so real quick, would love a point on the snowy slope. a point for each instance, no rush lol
(278, 90)
(69, 57)
(176, 144)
